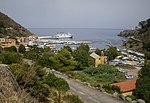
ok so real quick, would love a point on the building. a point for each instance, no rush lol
(97, 59)
(126, 87)
(7, 42)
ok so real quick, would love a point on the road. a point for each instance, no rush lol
(88, 94)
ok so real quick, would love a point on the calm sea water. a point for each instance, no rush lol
(99, 37)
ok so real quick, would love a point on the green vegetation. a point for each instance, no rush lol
(21, 48)
(46, 86)
(98, 51)
(111, 53)
(9, 58)
(111, 89)
(99, 76)
(68, 48)
(72, 99)
(141, 35)
(32, 78)
(143, 83)
(145, 24)
(141, 42)
(11, 49)
(81, 54)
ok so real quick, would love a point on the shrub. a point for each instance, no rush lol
(9, 58)
(111, 89)
(72, 99)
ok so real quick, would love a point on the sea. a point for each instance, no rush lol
(99, 37)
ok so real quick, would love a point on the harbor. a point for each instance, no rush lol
(53, 40)
(94, 35)
(57, 41)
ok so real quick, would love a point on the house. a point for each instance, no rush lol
(126, 87)
(97, 59)
(22, 40)
(7, 42)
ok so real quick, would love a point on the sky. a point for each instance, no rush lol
(77, 13)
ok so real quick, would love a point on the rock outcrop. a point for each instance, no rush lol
(9, 88)
(10, 91)
(137, 38)
(128, 33)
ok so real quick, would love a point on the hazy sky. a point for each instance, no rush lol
(77, 13)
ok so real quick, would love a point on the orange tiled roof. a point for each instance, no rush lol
(126, 86)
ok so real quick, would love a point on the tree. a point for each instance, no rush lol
(143, 82)
(21, 48)
(148, 22)
(81, 55)
(146, 46)
(142, 24)
(68, 48)
(61, 86)
(30, 78)
(9, 58)
(44, 61)
(1, 49)
(11, 49)
(111, 53)
(98, 51)
(58, 83)
(66, 60)
(24, 73)
(31, 55)
(72, 99)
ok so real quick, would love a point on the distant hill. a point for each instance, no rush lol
(9, 27)
(138, 37)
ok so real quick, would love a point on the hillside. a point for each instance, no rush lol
(138, 37)
(9, 27)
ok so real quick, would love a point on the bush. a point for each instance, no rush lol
(111, 89)
(11, 49)
(132, 97)
(72, 99)
(103, 74)
(22, 48)
(116, 89)
(9, 58)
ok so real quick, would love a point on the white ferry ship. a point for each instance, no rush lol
(63, 35)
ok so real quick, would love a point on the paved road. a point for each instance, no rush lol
(88, 94)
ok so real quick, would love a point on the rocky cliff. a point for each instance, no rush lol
(10, 91)
(127, 33)
(137, 38)
(9, 27)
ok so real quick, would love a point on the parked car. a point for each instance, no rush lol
(129, 76)
(124, 71)
(121, 70)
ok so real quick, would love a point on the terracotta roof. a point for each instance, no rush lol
(94, 55)
(126, 86)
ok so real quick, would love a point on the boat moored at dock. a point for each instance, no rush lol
(63, 35)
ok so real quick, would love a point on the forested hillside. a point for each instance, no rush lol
(9, 27)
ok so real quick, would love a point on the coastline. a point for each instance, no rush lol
(98, 37)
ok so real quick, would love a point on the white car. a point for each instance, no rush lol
(129, 76)
(121, 70)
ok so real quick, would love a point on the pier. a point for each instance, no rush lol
(53, 40)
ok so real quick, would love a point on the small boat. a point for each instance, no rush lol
(63, 35)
